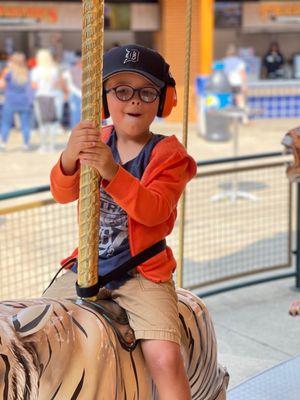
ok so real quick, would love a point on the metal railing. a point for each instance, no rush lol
(238, 223)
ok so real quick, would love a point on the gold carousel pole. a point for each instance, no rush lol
(89, 200)
(185, 135)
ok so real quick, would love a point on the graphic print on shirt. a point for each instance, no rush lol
(113, 233)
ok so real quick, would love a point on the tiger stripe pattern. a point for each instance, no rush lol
(76, 355)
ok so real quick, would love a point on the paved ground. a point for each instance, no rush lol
(253, 328)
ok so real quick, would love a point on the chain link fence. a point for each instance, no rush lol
(238, 222)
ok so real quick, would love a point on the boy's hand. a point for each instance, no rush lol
(85, 145)
(100, 157)
(84, 135)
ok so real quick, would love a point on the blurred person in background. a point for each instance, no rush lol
(235, 70)
(72, 87)
(17, 98)
(273, 62)
(3, 59)
(46, 81)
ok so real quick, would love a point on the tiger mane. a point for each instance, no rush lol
(21, 377)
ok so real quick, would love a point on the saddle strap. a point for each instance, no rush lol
(120, 271)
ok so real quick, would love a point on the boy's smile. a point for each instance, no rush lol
(131, 118)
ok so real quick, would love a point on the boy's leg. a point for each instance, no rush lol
(165, 363)
(152, 311)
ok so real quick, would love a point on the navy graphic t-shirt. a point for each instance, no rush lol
(113, 235)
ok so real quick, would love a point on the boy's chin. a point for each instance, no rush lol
(135, 132)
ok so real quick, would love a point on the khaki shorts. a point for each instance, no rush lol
(151, 307)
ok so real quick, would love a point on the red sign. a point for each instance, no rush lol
(46, 14)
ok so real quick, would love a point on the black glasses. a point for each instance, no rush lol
(125, 93)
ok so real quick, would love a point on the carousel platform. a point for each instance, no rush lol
(255, 333)
(277, 383)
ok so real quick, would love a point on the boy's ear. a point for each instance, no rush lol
(105, 111)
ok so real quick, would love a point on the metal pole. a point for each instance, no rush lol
(184, 136)
(89, 199)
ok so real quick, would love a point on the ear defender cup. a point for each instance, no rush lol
(105, 111)
(168, 100)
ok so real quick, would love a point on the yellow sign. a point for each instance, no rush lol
(279, 9)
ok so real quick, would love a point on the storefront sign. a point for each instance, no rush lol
(39, 16)
(38, 13)
(66, 16)
(271, 16)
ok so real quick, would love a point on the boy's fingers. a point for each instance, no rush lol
(91, 150)
(96, 147)
(87, 129)
(89, 156)
(87, 145)
(86, 124)
(88, 133)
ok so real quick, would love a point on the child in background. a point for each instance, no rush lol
(143, 175)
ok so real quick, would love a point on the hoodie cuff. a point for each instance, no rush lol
(66, 180)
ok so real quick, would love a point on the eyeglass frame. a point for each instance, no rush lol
(134, 90)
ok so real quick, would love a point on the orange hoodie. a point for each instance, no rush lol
(150, 203)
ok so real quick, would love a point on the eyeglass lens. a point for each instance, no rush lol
(146, 94)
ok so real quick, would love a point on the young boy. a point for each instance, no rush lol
(143, 175)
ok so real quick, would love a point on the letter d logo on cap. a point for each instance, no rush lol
(132, 55)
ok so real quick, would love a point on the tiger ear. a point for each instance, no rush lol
(31, 319)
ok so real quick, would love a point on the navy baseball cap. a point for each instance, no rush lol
(139, 59)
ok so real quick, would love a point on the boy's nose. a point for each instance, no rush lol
(135, 98)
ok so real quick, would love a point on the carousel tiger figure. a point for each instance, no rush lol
(291, 141)
(63, 349)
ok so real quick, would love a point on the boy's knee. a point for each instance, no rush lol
(166, 359)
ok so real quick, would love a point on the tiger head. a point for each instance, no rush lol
(19, 365)
(291, 141)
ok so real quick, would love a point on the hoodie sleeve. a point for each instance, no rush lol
(64, 188)
(153, 203)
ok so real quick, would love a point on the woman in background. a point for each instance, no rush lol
(17, 98)
(45, 77)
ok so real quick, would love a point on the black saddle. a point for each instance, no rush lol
(117, 318)
(109, 309)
